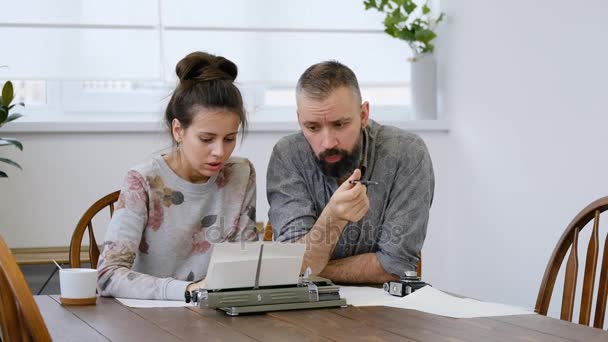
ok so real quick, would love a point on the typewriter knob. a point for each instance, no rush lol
(411, 274)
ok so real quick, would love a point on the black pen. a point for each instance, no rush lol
(364, 182)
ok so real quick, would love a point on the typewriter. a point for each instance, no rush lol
(292, 293)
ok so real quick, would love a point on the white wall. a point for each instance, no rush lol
(524, 85)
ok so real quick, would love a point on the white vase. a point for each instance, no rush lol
(424, 86)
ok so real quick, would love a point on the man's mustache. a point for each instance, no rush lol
(332, 152)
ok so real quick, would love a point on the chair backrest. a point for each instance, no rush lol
(268, 237)
(569, 241)
(268, 232)
(86, 222)
(20, 318)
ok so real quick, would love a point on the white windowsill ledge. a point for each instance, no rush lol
(264, 121)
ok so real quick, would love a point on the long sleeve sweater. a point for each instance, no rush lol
(163, 230)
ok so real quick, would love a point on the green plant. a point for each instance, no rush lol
(8, 95)
(408, 21)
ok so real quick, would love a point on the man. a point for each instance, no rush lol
(354, 233)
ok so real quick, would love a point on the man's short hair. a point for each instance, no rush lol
(319, 80)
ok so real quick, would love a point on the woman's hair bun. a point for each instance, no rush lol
(201, 66)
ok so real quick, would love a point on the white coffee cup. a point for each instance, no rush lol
(78, 283)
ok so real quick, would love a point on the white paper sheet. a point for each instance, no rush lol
(234, 265)
(281, 263)
(430, 300)
(145, 303)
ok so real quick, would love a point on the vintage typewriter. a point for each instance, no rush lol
(273, 288)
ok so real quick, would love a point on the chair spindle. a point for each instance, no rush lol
(590, 271)
(570, 279)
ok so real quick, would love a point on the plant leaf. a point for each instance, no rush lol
(370, 4)
(16, 104)
(12, 117)
(3, 115)
(407, 35)
(3, 175)
(10, 162)
(426, 9)
(7, 93)
(440, 18)
(391, 31)
(384, 3)
(409, 7)
(425, 36)
(10, 141)
(428, 48)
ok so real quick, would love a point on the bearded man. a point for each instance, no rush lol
(356, 192)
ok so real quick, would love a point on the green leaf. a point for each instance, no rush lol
(384, 3)
(440, 18)
(407, 35)
(10, 141)
(3, 115)
(416, 25)
(3, 175)
(424, 35)
(427, 48)
(10, 162)
(391, 31)
(16, 104)
(394, 19)
(13, 117)
(7, 93)
(409, 7)
(426, 9)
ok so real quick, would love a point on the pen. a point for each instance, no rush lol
(364, 182)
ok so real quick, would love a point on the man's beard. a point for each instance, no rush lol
(347, 164)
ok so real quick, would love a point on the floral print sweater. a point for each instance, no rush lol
(163, 229)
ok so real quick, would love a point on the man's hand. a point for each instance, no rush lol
(349, 202)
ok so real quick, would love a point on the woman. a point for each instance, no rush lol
(174, 207)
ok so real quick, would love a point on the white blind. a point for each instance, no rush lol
(272, 41)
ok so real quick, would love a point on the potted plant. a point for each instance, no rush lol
(6, 105)
(412, 22)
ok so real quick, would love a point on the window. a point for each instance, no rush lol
(114, 57)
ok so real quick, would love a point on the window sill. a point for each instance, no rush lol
(273, 120)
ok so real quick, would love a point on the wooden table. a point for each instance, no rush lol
(110, 320)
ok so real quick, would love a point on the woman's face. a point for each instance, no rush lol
(207, 143)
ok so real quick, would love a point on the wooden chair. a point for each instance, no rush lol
(20, 318)
(268, 237)
(86, 222)
(268, 232)
(569, 241)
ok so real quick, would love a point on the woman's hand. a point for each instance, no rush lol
(199, 285)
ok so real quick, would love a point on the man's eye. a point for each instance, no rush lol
(312, 128)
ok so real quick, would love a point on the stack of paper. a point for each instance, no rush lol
(150, 303)
(430, 300)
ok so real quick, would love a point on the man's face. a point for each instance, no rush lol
(332, 127)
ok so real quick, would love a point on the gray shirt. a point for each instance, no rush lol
(394, 227)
